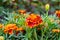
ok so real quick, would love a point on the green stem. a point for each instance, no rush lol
(30, 38)
(47, 13)
(46, 16)
(42, 35)
(35, 34)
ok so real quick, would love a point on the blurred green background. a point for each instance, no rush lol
(31, 6)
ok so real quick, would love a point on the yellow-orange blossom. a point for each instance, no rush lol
(33, 20)
(11, 27)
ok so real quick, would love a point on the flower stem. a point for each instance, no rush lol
(35, 34)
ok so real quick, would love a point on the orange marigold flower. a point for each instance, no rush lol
(22, 11)
(10, 28)
(56, 30)
(58, 13)
(33, 20)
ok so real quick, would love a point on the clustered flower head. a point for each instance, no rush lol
(33, 20)
(10, 28)
(58, 13)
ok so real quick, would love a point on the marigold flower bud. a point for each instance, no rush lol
(47, 6)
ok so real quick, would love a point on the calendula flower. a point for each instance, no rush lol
(56, 30)
(1, 25)
(22, 11)
(33, 20)
(47, 6)
(58, 13)
(10, 28)
(1, 38)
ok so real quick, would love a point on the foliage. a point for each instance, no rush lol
(29, 20)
